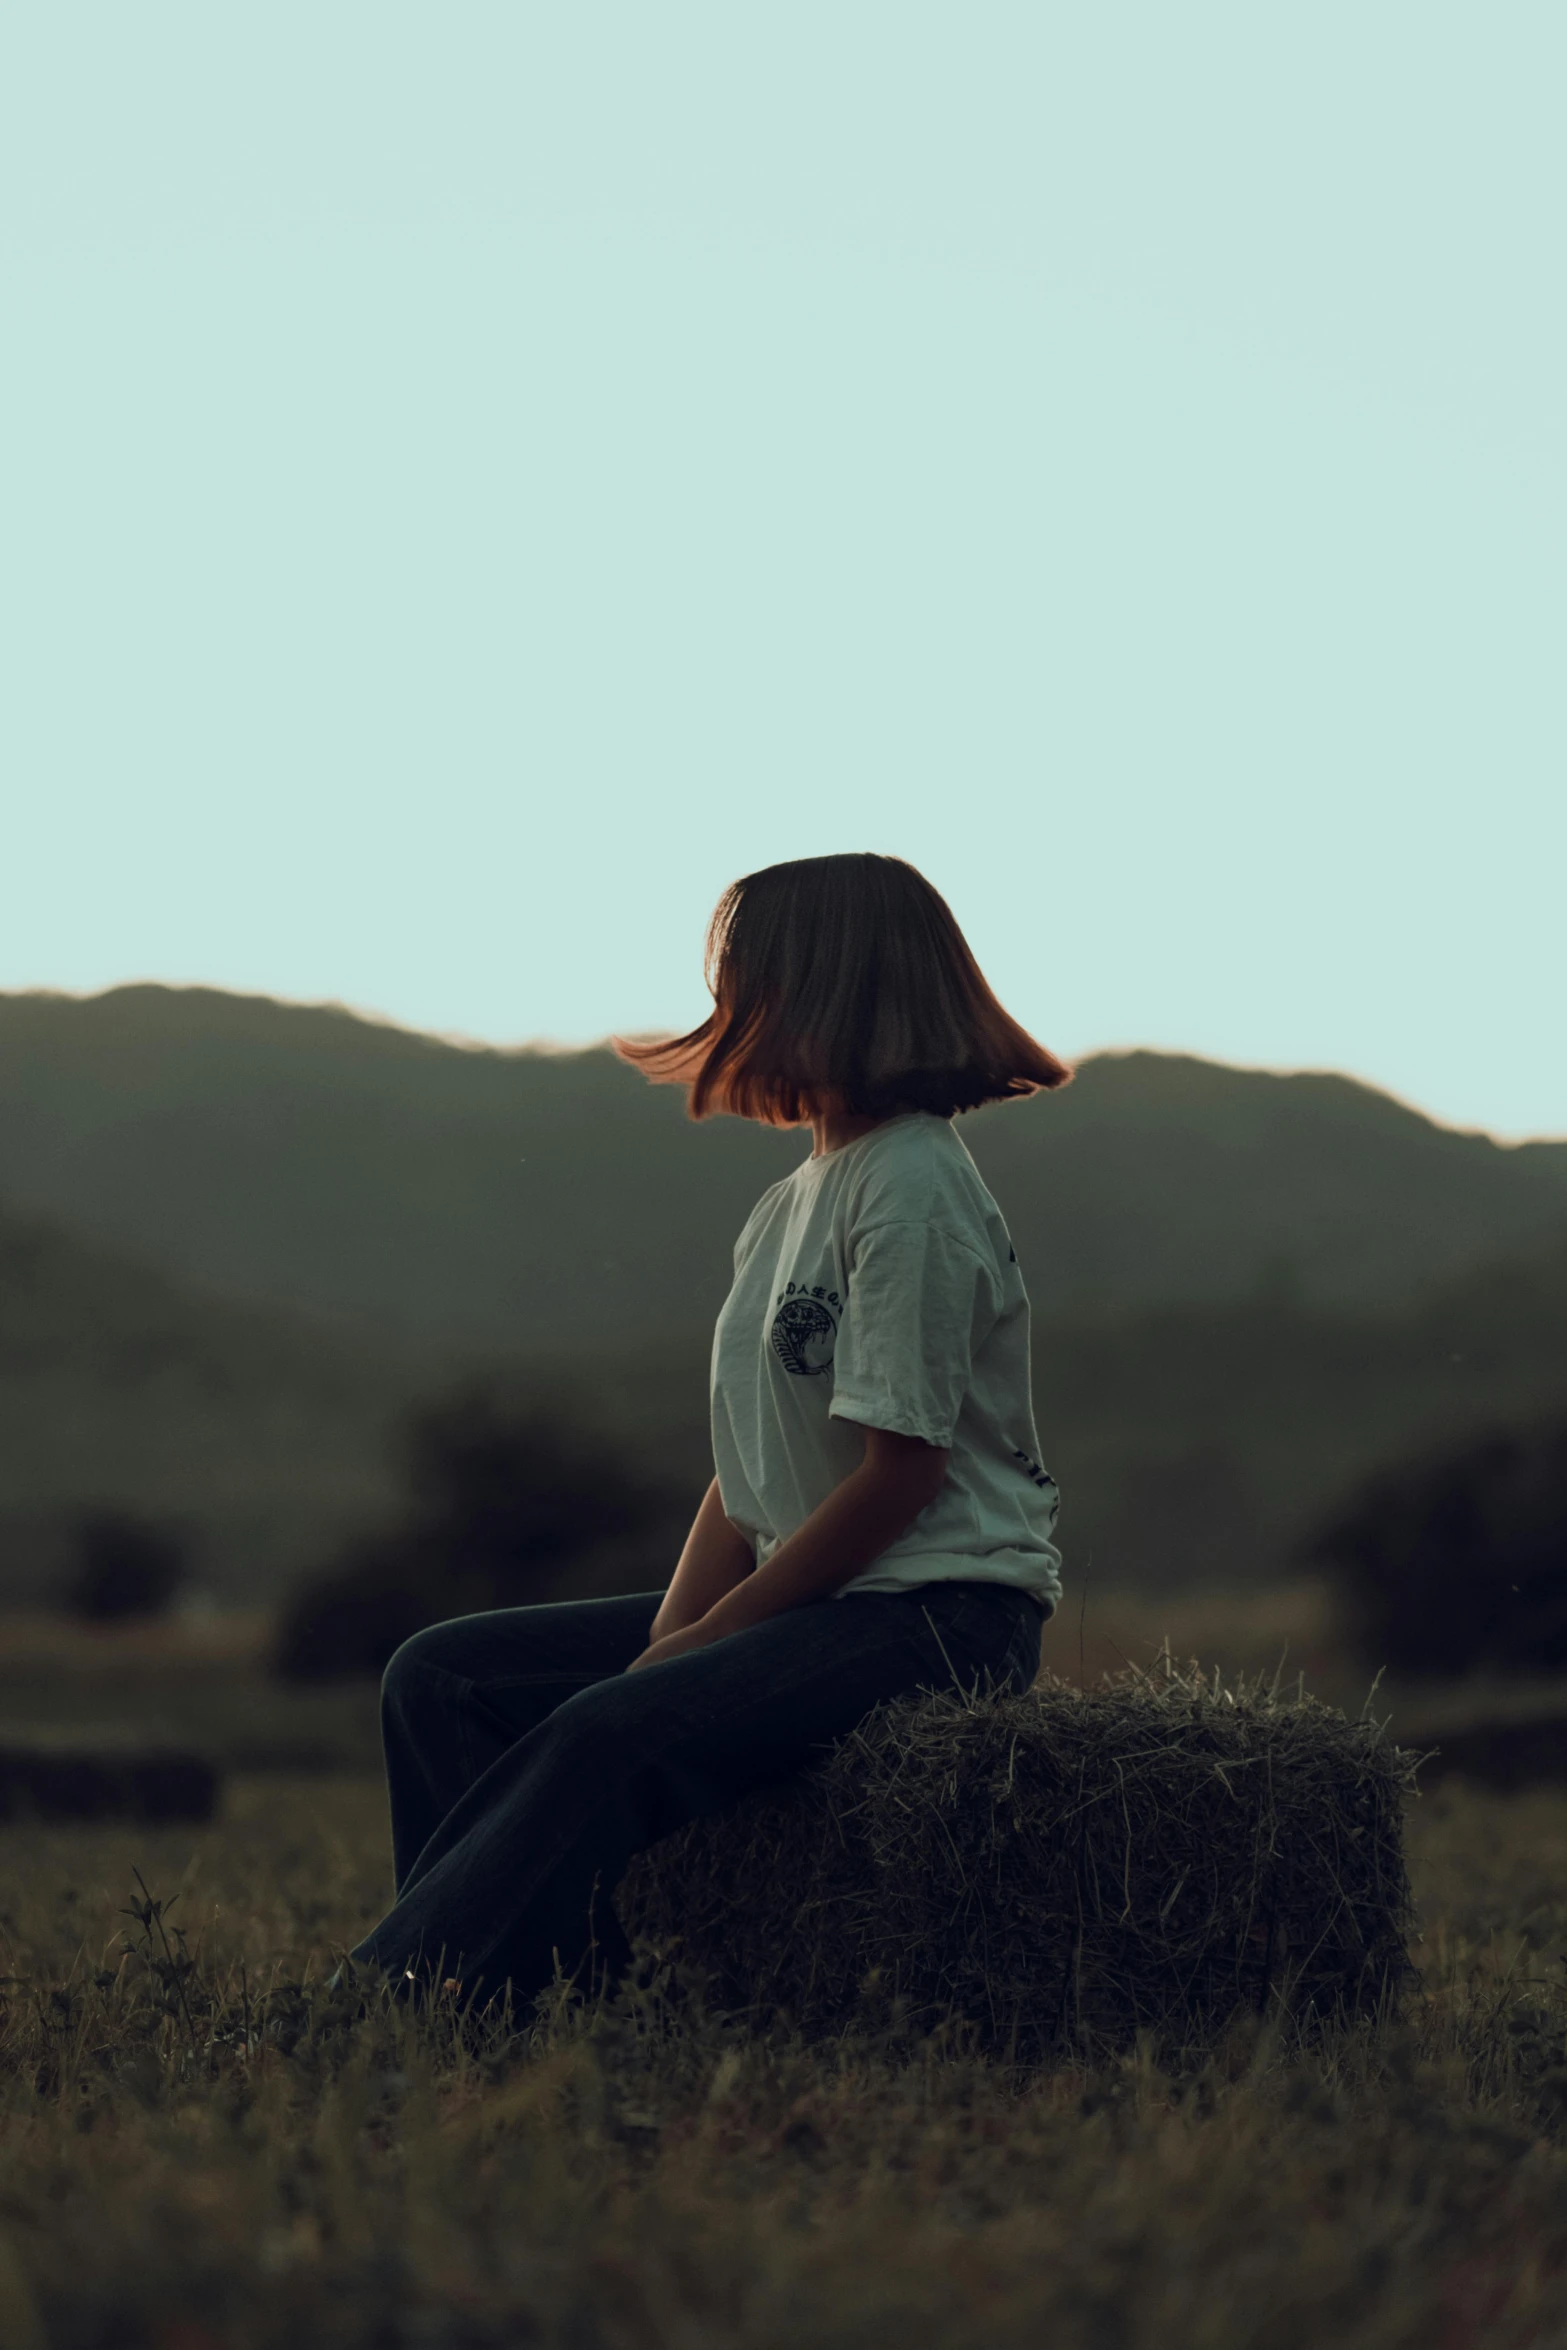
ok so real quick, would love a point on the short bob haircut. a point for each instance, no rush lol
(843, 986)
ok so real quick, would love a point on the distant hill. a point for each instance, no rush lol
(258, 1433)
(1202, 1443)
(529, 1201)
(1158, 1179)
(265, 1435)
(243, 1236)
(1195, 1442)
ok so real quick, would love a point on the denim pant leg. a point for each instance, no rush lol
(457, 1695)
(509, 1883)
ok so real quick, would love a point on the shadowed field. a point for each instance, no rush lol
(201, 2147)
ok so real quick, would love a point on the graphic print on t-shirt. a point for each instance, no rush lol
(805, 1328)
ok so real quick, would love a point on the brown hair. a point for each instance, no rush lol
(843, 984)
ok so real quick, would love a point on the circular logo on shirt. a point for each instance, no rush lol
(802, 1334)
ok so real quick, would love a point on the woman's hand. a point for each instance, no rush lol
(662, 1646)
(898, 1477)
(716, 1557)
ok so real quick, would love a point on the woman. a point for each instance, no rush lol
(879, 1520)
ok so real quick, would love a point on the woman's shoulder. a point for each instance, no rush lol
(916, 1170)
(775, 1200)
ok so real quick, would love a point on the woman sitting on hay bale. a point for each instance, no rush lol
(879, 1522)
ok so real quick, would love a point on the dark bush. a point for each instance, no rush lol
(508, 1486)
(86, 1782)
(1457, 1562)
(123, 1567)
(350, 1618)
(506, 1498)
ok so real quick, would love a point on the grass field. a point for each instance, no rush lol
(222, 2154)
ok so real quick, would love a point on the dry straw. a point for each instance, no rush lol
(1062, 1870)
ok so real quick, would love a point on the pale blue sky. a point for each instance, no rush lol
(475, 478)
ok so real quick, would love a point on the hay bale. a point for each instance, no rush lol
(1063, 1869)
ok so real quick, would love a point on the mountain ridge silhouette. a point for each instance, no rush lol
(322, 1161)
(1195, 1441)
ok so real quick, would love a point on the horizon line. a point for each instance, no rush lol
(462, 1040)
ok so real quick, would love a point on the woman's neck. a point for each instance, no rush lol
(831, 1130)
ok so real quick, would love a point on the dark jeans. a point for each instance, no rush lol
(526, 1766)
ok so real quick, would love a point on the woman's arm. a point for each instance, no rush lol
(876, 1503)
(714, 1560)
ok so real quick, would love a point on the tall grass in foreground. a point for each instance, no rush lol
(201, 2146)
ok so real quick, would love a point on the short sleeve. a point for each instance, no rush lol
(920, 1303)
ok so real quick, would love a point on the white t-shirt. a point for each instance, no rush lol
(877, 1285)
